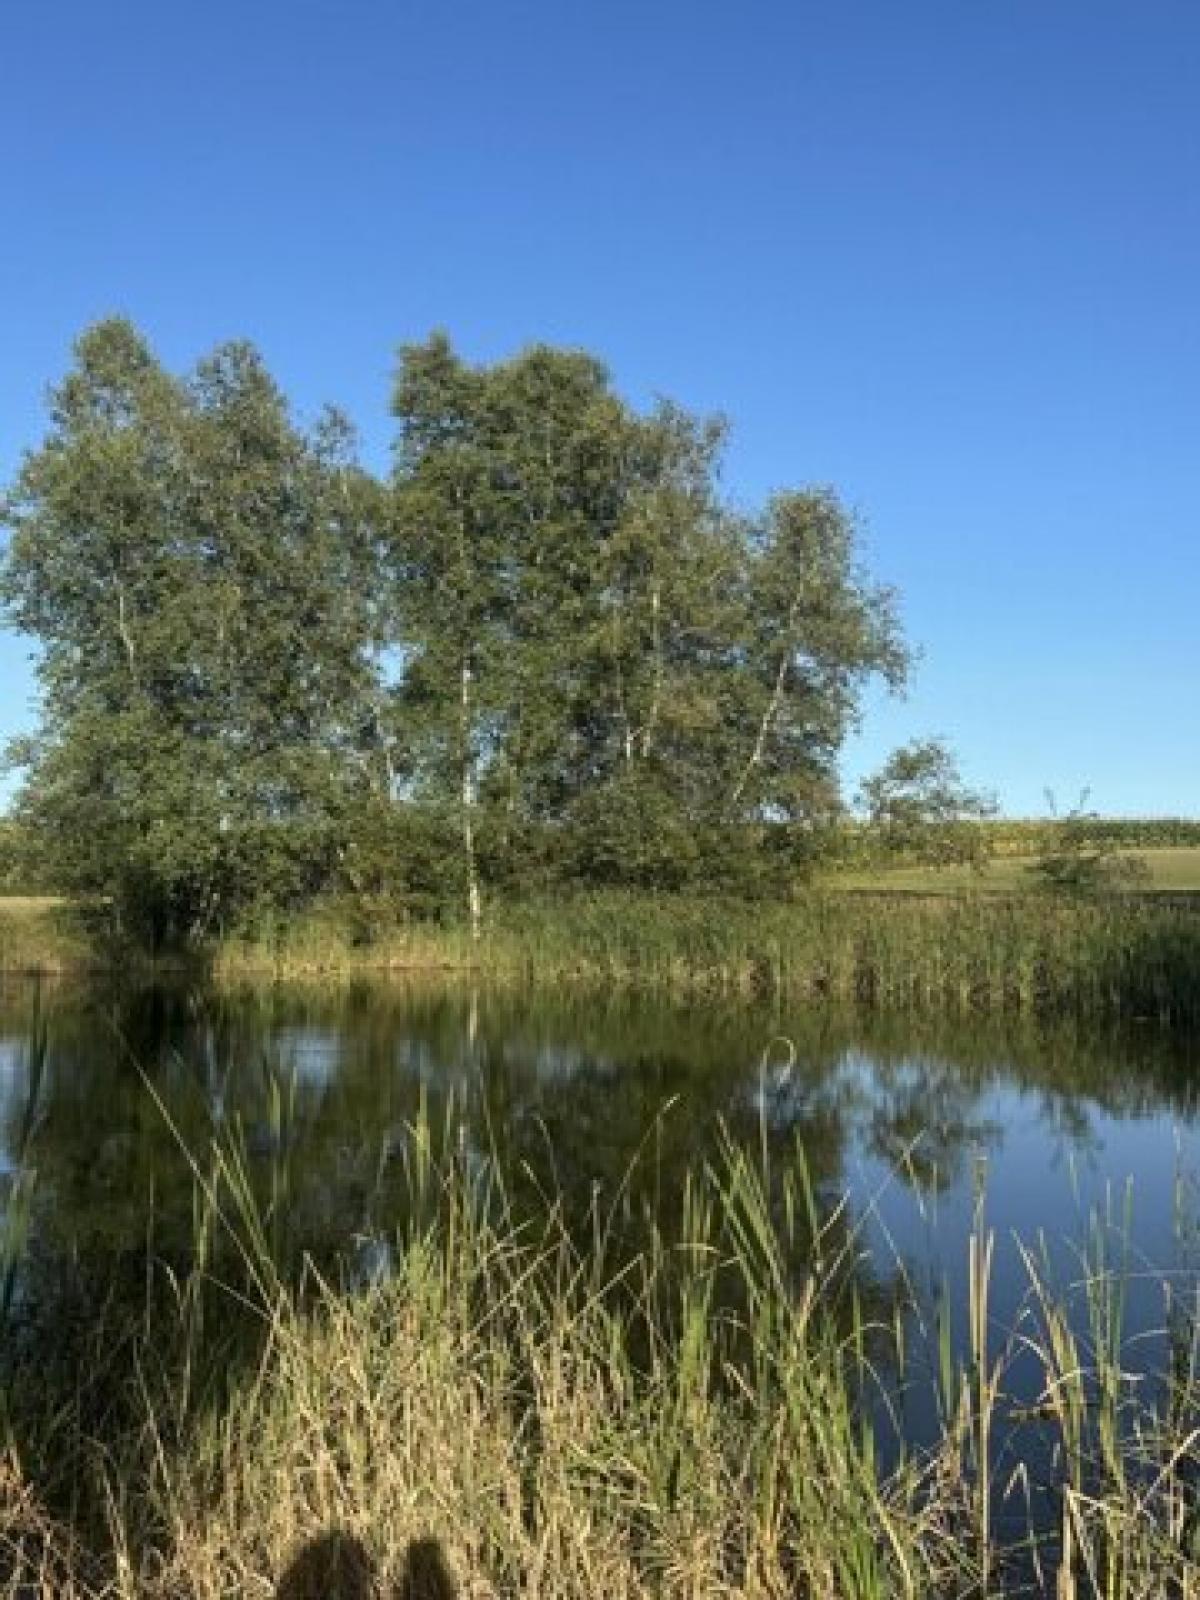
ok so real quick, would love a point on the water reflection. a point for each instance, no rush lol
(607, 1103)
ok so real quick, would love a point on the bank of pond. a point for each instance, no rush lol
(1134, 957)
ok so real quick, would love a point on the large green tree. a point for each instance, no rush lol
(548, 544)
(193, 568)
(602, 658)
(548, 649)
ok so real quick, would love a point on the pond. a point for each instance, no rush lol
(913, 1133)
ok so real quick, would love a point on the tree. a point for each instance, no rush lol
(192, 567)
(918, 806)
(545, 535)
(816, 631)
(547, 649)
(451, 561)
(603, 660)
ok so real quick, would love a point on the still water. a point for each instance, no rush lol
(914, 1129)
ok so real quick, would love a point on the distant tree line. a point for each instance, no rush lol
(1013, 836)
(545, 649)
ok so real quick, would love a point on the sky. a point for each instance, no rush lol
(941, 254)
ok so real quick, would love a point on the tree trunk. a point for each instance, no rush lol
(656, 644)
(622, 706)
(768, 716)
(474, 899)
(126, 636)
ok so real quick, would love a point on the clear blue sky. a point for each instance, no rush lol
(945, 256)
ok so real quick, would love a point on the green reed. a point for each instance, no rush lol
(1032, 954)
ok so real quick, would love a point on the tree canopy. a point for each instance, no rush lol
(543, 648)
(918, 806)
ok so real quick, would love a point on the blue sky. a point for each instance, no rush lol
(944, 256)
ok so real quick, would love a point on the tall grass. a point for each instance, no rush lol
(43, 935)
(1035, 955)
(706, 1417)
(1112, 957)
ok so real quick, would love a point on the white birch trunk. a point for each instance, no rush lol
(126, 636)
(656, 646)
(474, 898)
(768, 717)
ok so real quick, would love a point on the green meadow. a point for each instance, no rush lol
(1168, 868)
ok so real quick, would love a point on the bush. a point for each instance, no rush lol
(1080, 855)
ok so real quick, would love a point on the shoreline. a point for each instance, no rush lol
(1112, 957)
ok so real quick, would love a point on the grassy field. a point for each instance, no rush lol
(1172, 869)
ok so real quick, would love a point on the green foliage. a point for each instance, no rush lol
(399, 861)
(1079, 856)
(1026, 836)
(631, 834)
(546, 653)
(597, 649)
(18, 874)
(547, 650)
(194, 569)
(919, 808)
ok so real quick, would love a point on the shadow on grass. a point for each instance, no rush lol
(336, 1566)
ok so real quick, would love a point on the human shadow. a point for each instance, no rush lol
(336, 1566)
(425, 1575)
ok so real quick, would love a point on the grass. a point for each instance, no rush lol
(533, 1415)
(1034, 954)
(1169, 869)
(43, 934)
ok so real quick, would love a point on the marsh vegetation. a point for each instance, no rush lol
(630, 1295)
